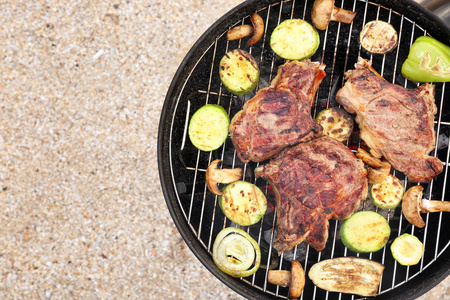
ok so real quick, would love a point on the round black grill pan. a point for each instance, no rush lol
(182, 167)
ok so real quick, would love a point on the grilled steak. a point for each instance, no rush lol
(280, 115)
(313, 182)
(395, 122)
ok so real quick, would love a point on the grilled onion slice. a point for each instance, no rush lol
(236, 253)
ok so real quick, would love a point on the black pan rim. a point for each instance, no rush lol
(415, 287)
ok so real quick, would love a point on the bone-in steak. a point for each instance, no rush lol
(280, 115)
(313, 182)
(395, 122)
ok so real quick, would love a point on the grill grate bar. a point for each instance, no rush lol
(335, 233)
(223, 147)
(199, 230)
(172, 175)
(427, 215)
(348, 46)
(432, 182)
(402, 216)
(445, 179)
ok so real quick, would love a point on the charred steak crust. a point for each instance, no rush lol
(280, 115)
(395, 122)
(313, 182)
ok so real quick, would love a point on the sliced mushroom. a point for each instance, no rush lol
(413, 205)
(214, 176)
(367, 158)
(295, 278)
(324, 11)
(377, 175)
(256, 30)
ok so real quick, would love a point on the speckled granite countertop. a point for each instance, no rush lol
(82, 216)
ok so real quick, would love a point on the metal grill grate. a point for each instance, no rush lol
(339, 50)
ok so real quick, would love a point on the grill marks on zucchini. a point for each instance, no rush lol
(243, 203)
(388, 193)
(239, 72)
(365, 231)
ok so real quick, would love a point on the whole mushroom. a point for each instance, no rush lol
(256, 30)
(413, 205)
(324, 11)
(295, 279)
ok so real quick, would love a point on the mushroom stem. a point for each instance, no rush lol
(428, 206)
(279, 277)
(239, 32)
(342, 15)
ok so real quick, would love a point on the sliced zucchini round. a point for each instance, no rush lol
(365, 231)
(295, 39)
(208, 127)
(239, 72)
(378, 37)
(336, 123)
(407, 250)
(388, 193)
(243, 203)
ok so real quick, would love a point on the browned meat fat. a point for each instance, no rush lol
(280, 115)
(395, 122)
(313, 182)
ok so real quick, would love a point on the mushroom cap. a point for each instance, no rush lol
(211, 181)
(321, 13)
(411, 206)
(297, 280)
(258, 28)
(215, 175)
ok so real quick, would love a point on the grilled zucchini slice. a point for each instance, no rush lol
(239, 72)
(365, 231)
(347, 275)
(388, 193)
(407, 250)
(336, 123)
(208, 127)
(243, 203)
(295, 39)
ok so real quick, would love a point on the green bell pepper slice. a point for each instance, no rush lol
(428, 61)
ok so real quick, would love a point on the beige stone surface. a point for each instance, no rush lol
(82, 215)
